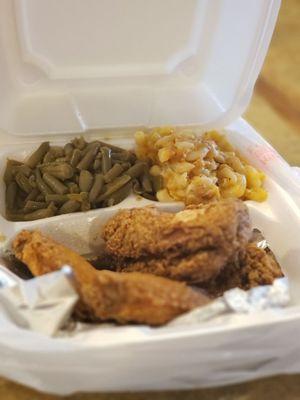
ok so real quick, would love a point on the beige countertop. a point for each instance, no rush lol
(275, 113)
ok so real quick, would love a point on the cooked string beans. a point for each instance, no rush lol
(38, 155)
(78, 176)
(106, 159)
(85, 181)
(55, 184)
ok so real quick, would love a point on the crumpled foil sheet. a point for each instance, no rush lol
(43, 304)
(240, 301)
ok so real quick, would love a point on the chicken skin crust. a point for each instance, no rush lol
(253, 267)
(107, 295)
(192, 245)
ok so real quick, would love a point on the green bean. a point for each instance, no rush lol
(38, 155)
(88, 158)
(34, 205)
(52, 207)
(79, 143)
(54, 163)
(11, 193)
(68, 183)
(136, 170)
(97, 164)
(62, 160)
(146, 182)
(73, 187)
(75, 158)
(56, 198)
(19, 203)
(24, 169)
(54, 153)
(91, 145)
(39, 214)
(23, 182)
(112, 147)
(68, 150)
(69, 176)
(8, 174)
(49, 156)
(85, 203)
(32, 181)
(40, 197)
(97, 187)
(32, 195)
(69, 206)
(57, 151)
(115, 171)
(110, 202)
(149, 196)
(61, 171)
(158, 183)
(85, 181)
(119, 195)
(125, 165)
(13, 215)
(137, 188)
(55, 184)
(22, 194)
(106, 159)
(41, 184)
(80, 197)
(121, 156)
(113, 187)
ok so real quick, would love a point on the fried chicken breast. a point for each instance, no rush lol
(107, 295)
(192, 245)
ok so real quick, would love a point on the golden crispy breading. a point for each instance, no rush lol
(192, 268)
(259, 267)
(134, 233)
(253, 267)
(192, 245)
(106, 295)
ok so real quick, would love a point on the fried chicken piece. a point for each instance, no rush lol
(136, 232)
(253, 267)
(106, 295)
(192, 245)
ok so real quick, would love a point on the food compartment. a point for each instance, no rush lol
(82, 230)
(73, 229)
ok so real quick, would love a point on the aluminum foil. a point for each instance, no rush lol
(43, 304)
(240, 301)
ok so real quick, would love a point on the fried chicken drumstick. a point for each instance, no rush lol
(192, 245)
(106, 295)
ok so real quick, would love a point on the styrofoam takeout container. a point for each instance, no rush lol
(104, 68)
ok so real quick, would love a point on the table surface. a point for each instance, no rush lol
(275, 113)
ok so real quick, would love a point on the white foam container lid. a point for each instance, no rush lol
(107, 67)
(73, 65)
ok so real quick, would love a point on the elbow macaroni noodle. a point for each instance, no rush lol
(198, 169)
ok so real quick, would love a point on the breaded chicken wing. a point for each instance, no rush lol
(192, 245)
(106, 295)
